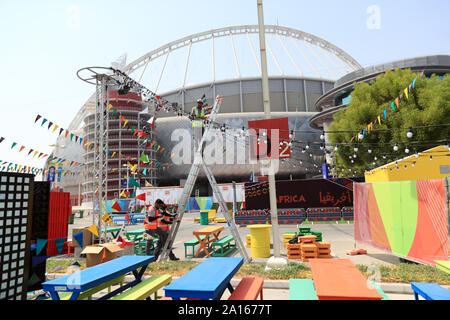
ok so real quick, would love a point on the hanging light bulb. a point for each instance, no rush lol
(431, 158)
(413, 164)
(291, 135)
(409, 134)
(416, 155)
(321, 147)
(336, 148)
(369, 151)
(396, 147)
(322, 136)
(375, 158)
(353, 161)
(406, 150)
(354, 156)
(384, 156)
(356, 149)
(303, 150)
(307, 146)
(406, 167)
(446, 145)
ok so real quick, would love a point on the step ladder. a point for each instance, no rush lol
(187, 191)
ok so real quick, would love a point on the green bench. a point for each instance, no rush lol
(302, 289)
(140, 247)
(89, 293)
(223, 244)
(191, 243)
(144, 289)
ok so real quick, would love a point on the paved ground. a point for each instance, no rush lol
(339, 235)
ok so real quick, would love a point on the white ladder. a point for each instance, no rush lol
(187, 191)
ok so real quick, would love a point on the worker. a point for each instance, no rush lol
(157, 226)
(198, 114)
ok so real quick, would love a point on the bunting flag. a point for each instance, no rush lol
(133, 183)
(49, 125)
(144, 158)
(21, 148)
(379, 120)
(1, 139)
(134, 194)
(93, 229)
(79, 238)
(151, 122)
(37, 118)
(123, 194)
(127, 217)
(43, 121)
(55, 127)
(116, 207)
(37, 260)
(40, 244)
(13, 145)
(406, 93)
(60, 244)
(147, 184)
(107, 219)
(124, 183)
(132, 168)
(141, 197)
(385, 114)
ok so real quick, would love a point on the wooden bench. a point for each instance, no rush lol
(143, 290)
(223, 244)
(429, 291)
(191, 243)
(141, 246)
(302, 289)
(89, 293)
(249, 288)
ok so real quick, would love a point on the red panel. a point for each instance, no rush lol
(58, 220)
(277, 131)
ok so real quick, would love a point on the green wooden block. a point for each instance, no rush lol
(302, 289)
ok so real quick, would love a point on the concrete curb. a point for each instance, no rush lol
(396, 288)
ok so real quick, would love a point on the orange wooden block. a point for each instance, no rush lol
(324, 256)
(294, 256)
(307, 239)
(293, 246)
(309, 248)
(323, 245)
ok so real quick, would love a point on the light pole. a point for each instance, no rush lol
(276, 260)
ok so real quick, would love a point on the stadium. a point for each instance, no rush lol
(302, 68)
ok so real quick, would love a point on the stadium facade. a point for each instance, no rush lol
(310, 73)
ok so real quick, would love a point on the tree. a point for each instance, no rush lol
(428, 103)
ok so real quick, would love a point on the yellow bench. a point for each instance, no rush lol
(144, 289)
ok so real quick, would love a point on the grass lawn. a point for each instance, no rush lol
(401, 273)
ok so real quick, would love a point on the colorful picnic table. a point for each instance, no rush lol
(340, 279)
(94, 276)
(443, 265)
(211, 234)
(206, 281)
(134, 234)
(114, 231)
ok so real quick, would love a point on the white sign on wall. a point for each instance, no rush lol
(169, 195)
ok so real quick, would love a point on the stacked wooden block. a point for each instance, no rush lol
(293, 251)
(309, 249)
(288, 236)
(323, 250)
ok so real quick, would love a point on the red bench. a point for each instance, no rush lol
(248, 289)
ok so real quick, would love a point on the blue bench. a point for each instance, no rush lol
(430, 291)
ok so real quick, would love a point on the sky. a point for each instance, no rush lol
(44, 44)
